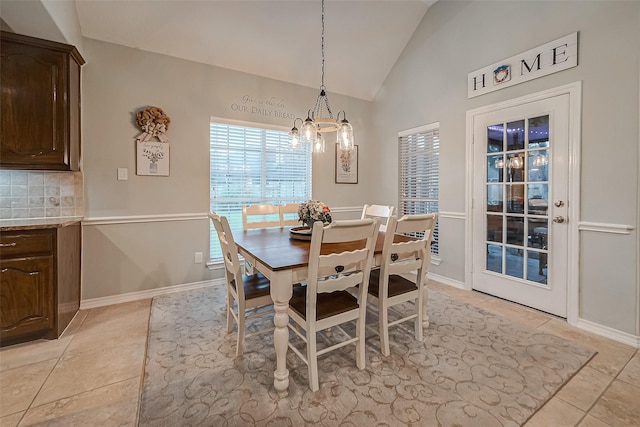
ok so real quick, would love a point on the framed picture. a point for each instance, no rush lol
(153, 158)
(346, 166)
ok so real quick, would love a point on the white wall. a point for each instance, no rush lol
(428, 84)
(124, 256)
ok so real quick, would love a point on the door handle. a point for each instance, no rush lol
(558, 219)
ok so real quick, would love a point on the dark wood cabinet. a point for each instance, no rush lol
(39, 282)
(40, 104)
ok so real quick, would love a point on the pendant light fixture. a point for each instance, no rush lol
(320, 119)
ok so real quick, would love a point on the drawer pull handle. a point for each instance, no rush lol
(4, 270)
(7, 245)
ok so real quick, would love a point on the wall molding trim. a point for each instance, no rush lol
(604, 331)
(452, 215)
(133, 219)
(150, 293)
(601, 227)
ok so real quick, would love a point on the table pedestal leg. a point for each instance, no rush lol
(281, 292)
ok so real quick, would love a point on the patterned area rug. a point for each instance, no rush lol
(474, 368)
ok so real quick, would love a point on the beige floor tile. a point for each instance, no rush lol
(112, 405)
(75, 324)
(631, 372)
(11, 420)
(556, 413)
(28, 353)
(20, 385)
(115, 312)
(584, 388)
(126, 329)
(589, 421)
(88, 370)
(619, 405)
(612, 356)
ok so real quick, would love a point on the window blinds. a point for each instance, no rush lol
(251, 165)
(419, 173)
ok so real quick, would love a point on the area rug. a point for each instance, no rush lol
(474, 368)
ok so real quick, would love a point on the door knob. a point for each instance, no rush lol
(558, 219)
(559, 204)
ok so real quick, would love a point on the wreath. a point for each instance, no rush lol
(153, 122)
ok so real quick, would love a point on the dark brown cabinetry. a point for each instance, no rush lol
(40, 104)
(39, 282)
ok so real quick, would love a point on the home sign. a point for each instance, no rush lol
(549, 58)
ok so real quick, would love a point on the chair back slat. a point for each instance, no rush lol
(378, 211)
(233, 273)
(341, 270)
(291, 209)
(260, 216)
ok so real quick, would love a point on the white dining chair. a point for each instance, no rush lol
(289, 214)
(378, 211)
(245, 294)
(402, 274)
(324, 302)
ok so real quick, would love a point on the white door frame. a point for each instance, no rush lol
(574, 90)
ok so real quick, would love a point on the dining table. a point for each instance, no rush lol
(284, 260)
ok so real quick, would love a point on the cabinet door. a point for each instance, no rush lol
(34, 100)
(26, 305)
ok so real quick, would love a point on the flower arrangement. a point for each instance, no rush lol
(312, 211)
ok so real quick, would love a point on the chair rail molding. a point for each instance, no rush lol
(131, 219)
(601, 227)
(452, 215)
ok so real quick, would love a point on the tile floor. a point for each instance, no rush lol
(93, 374)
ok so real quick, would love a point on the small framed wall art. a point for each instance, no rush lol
(346, 165)
(153, 158)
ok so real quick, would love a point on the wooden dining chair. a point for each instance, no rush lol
(244, 293)
(402, 274)
(378, 211)
(324, 302)
(289, 214)
(260, 216)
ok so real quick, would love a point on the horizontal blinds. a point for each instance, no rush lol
(419, 174)
(250, 165)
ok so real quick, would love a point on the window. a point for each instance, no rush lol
(419, 165)
(253, 163)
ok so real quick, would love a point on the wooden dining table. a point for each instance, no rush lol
(284, 260)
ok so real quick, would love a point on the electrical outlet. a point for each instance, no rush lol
(198, 258)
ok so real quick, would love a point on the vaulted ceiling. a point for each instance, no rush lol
(275, 39)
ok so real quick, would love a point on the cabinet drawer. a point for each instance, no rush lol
(15, 244)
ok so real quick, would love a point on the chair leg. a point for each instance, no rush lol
(425, 298)
(312, 358)
(383, 325)
(360, 344)
(229, 315)
(241, 328)
(418, 322)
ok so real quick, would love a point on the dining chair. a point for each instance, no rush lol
(260, 216)
(402, 274)
(286, 213)
(249, 292)
(324, 302)
(378, 211)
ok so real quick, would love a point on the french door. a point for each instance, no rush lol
(519, 213)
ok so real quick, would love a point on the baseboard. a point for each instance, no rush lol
(446, 281)
(605, 331)
(135, 296)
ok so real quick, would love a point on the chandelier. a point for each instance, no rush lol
(320, 120)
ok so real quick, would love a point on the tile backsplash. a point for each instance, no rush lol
(39, 194)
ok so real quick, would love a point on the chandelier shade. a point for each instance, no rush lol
(320, 119)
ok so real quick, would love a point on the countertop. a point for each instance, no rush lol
(38, 223)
